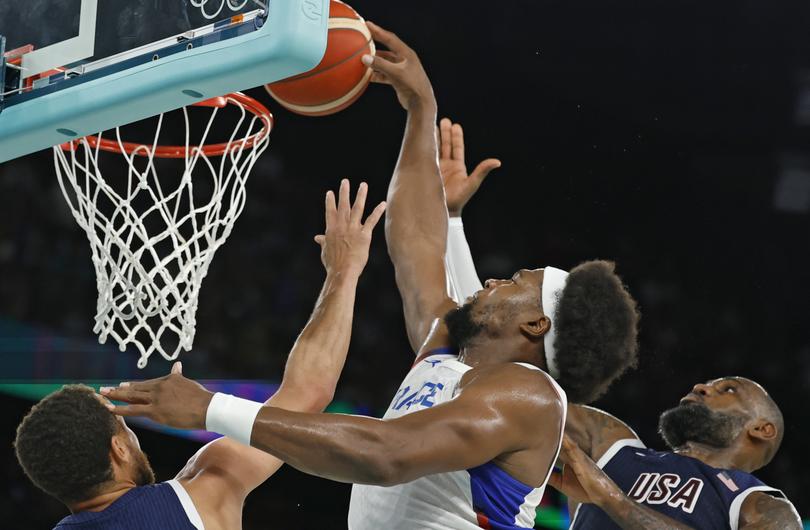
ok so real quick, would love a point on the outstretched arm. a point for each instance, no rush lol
(459, 187)
(416, 223)
(583, 482)
(478, 425)
(225, 471)
(761, 511)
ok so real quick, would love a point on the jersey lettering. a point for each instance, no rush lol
(663, 488)
(642, 487)
(655, 488)
(423, 396)
(686, 497)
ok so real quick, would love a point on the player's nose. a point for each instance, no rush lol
(702, 389)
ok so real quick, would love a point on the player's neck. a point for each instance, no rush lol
(721, 458)
(104, 499)
(484, 351)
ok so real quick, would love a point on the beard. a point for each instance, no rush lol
(695, 422)
(461, 327)
(144, 475)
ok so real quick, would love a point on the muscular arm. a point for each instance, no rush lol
(480, 424)
(416, 222)
(594, 430)
(310, 377)
(582, 481)
(483, 422)
(459, 188)
(630, 515)
(222, 473)
(761, 511)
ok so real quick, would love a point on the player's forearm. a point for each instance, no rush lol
(595, 431)
(416, 204)
(317, 358)
(461, 274)
(631, 515)
(334, 446)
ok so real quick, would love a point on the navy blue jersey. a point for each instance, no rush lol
(680, 487)
(166, 506)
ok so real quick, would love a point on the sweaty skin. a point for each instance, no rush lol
(596, 431)
(504, 412)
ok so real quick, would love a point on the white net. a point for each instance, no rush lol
(152, 239)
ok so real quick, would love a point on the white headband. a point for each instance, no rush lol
(553, 284)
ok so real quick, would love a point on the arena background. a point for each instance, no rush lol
(670, 137)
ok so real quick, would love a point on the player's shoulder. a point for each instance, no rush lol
(770, 508)
(518, 383)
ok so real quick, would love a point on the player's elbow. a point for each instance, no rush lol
(316, 398)
(312, 397)
(398, 470)
(380, 460)
(382, 472)
(386, 471)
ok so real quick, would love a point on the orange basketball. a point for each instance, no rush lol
(340, 78)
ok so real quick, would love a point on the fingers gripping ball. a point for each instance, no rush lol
(340, 78)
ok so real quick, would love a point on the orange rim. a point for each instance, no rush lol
(180, 151)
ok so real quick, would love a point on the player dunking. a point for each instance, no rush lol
(719, 434)
(469, 440)
(71, 446)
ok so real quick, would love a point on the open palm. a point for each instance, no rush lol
(459, 186)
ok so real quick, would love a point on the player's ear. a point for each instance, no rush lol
(535, 329)
(119, 450)
(762, 430)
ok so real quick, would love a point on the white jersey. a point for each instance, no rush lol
(482, 497)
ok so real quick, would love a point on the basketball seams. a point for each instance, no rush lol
(369, 44)
(333, 106)
(329, 88)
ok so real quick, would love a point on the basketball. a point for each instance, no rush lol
(340, 78)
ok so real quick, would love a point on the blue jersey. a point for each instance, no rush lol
(680, 487)
(166, 506)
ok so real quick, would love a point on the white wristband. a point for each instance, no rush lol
(232, 417)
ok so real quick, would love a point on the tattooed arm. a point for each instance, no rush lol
(595, 431)
(583, 482)
(761, 511)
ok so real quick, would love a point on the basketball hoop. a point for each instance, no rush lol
(152, 240)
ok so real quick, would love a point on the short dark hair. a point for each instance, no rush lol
(597, 331)
(63, 444)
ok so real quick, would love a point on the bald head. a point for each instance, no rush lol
(763, 407)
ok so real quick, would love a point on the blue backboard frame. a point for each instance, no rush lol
(290, 38)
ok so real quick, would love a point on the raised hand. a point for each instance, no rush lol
(399, 67)
(171, 400)
(459, 187)
(346, 241)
